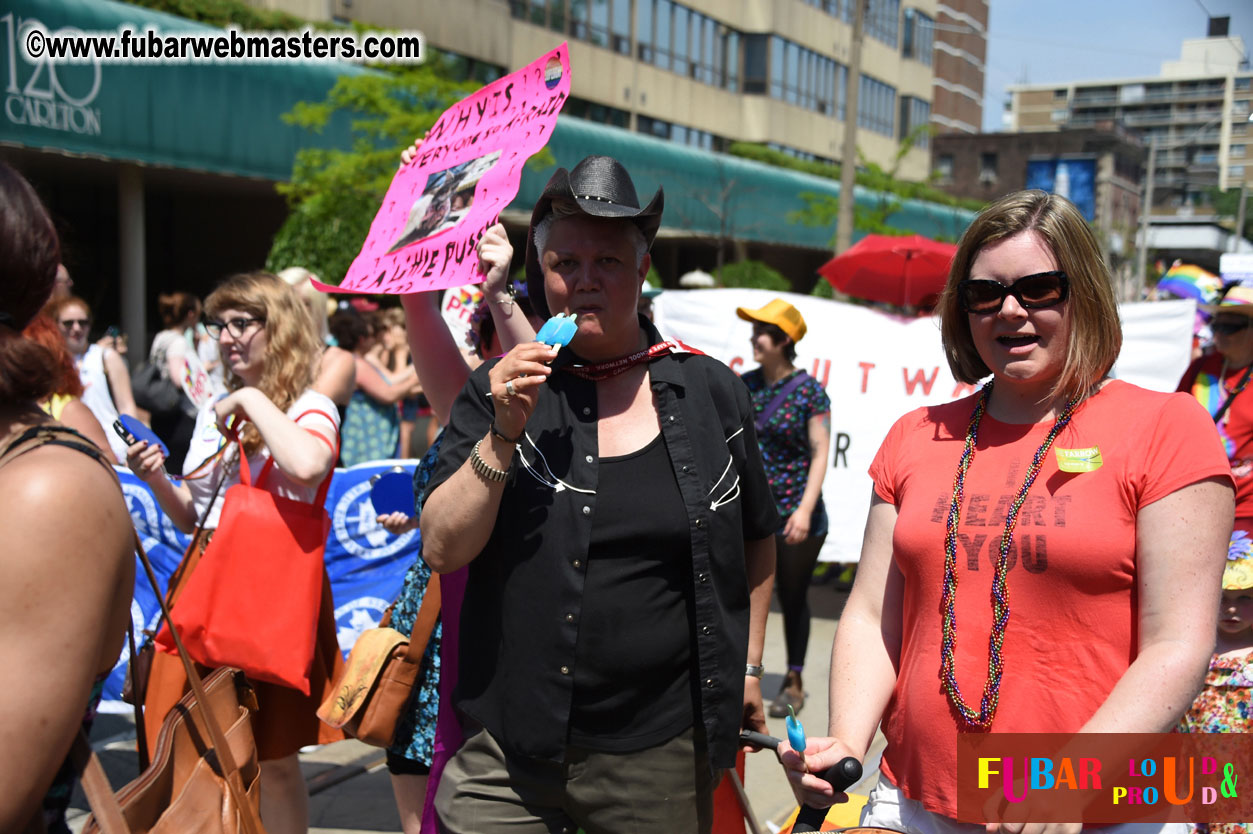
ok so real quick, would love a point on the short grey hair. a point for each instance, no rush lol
(562, 209)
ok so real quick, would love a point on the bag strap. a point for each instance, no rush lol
(100, 796)
(428, 613)
(226, 759)
(204, 517)
(779, 398)
(1244, 380)
(141, 732)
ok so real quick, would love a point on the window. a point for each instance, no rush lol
(598, 31)
(644, 30)
(1236, 171)
(1244, 83)
(1059, 95)
(557, 15)
(883, 20)
(876, 106)
(680, 39)
(593, 112)
(919, 37)
(944, 167)
(987, 168)
(680, 134)
(663, 19)
(755, 75)
(622, 26)
(1237, 150)
(798, 75)
(915, 113)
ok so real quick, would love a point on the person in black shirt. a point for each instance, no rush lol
(611, 503)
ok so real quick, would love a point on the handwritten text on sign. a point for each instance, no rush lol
(466, 172)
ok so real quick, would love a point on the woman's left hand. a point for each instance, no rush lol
(796, 530)
(233, 404)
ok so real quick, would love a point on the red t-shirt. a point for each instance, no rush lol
(1073, 617)
(1235, 430)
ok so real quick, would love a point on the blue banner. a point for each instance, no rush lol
(365, 563)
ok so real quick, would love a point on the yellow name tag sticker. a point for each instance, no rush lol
(1078, 460)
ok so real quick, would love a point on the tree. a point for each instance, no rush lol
(822, 209)
(1227, 204)
(334, 194)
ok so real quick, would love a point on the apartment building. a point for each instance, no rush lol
(706, 73)
(1196, 112)
(958, 62)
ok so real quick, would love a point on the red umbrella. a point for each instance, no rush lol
(905, 271)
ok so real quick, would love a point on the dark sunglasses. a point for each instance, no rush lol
(67, 324)
(1230, 326)
(1033, 292)
(238, 327)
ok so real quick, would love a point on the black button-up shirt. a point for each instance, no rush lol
(524, 594)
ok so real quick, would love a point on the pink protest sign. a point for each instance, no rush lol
(466, 172)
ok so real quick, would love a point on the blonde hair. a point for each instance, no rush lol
(301, 280)
(1095, 331)
(292, 349)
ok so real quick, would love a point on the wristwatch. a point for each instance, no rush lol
(751, 671)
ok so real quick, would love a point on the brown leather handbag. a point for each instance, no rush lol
(204, 774)
(368, 698)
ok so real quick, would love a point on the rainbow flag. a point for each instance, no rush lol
(1190, 281)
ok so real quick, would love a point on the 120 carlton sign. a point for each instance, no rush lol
(39, 93)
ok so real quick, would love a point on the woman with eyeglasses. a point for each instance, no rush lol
(1218, 380)
(270, 350)
(106, 379)
(1043, 555)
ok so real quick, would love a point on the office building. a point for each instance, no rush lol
(1196, 112)
(705, 74)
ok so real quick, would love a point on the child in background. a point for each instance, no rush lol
(1223, 705)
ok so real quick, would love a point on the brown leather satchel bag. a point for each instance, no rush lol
(367, 699)
(204, 774)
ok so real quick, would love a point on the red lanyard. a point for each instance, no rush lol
(606, 370)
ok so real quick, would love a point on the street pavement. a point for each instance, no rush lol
(350, 790)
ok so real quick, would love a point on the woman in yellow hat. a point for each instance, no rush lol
(793, 415)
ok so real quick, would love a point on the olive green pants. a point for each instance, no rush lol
(667, 788)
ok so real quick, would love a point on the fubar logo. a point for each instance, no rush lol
(42, 94)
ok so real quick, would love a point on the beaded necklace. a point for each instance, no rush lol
(1000, 592)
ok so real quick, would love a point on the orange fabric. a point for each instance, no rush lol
(286, 720)
(1072, 628)
(728, 815)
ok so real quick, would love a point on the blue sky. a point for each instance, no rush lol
(1040, 42)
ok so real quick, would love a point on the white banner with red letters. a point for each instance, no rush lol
(876, 367)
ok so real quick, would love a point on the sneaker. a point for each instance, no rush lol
(792, 694)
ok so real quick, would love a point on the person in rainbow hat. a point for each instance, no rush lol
(1218, 380)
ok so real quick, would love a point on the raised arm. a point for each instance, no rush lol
(387, 391)
(304, 453)
(495, 257)
(438, 360)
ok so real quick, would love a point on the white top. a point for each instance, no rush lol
(96, 396)
(165, 344)
(207, 438)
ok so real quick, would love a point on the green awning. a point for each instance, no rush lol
(720, 195)
(220, 118)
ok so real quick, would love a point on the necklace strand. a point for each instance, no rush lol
(1000, 592)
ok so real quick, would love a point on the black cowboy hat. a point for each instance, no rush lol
(599, 186)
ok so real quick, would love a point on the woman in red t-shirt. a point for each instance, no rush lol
(1085, 520)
